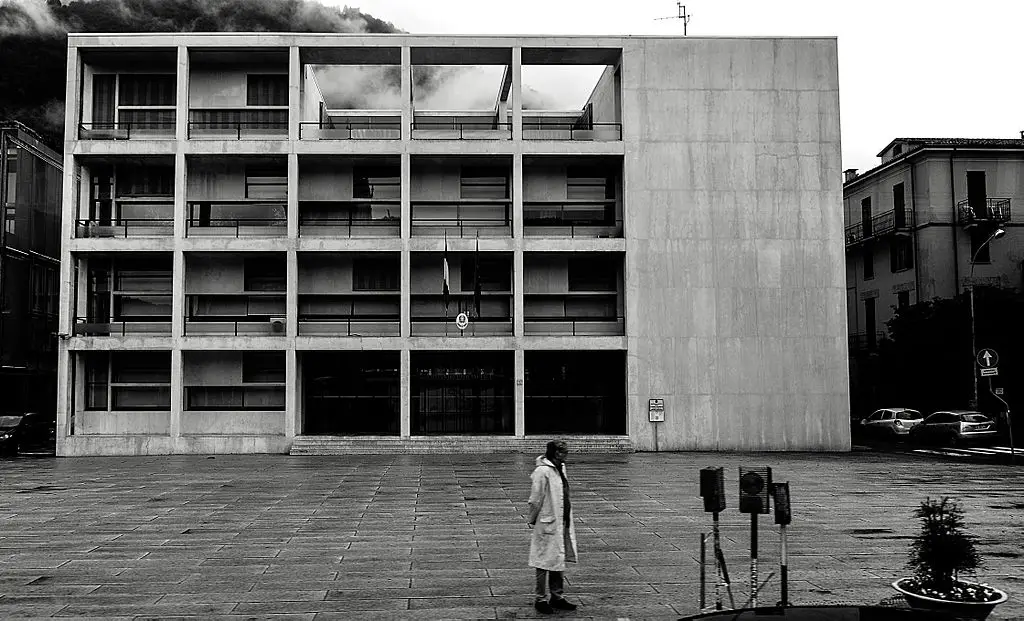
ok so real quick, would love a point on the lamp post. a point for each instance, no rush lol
(999, 232)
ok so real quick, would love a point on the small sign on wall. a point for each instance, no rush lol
(656, 410)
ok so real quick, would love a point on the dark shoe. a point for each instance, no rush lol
(562, 604)
(543, 607)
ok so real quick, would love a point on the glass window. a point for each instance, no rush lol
(478, 182)
(869, 262)
(265, 274)
(593, 273)
(380, 182)
(908, 415)
(266, 181)
(375, 274)
(887, 415)
(901, 254)
(267, 90)
(495, 273)
(975, 418)
(263, 367)
(146, 90)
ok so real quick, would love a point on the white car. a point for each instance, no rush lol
(891, 422)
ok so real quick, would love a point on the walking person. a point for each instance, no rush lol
(553, 542)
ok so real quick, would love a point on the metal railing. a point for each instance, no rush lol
(462, 130)
(123, 130)
(237, 227)
(880, 225)
(570, 131)
(350, 227)
(224, 326)
(125, 227)
(865, 341)
(445, 326)
(587, 218)
(122, 326)
(312, 325)
(461, 227)
(995, 211)
(234, 398)
(349, 130)
(239, 123)
(574, 326)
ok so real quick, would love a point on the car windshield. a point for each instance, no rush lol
(975, 418)
(908, 415)
(9, 421)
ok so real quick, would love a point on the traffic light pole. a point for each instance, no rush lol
(784, 569)
(753, 560)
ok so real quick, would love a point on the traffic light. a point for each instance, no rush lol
(712, 489)
(780, 496)
(755, 485)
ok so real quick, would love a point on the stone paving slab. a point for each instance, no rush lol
(435, 537)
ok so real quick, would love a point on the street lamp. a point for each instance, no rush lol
(996, 234)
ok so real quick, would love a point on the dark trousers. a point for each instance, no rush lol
(554, 583)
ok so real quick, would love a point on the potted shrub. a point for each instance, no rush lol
(939, 554)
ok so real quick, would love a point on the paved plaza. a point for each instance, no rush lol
(432, 537)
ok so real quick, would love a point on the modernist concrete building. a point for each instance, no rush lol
(30, 189)
(250, 266)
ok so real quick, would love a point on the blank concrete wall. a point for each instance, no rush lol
(325, 181)
(544, 183)
(325, 273)
(735, 265)
(221, 273)
(212, 368)
(216, 179)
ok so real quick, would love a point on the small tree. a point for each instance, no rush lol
(942, 550)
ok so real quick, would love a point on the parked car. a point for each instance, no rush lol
(954, 427)
(890, 422)
(26, 432)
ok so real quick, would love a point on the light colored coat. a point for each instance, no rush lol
(551, 545)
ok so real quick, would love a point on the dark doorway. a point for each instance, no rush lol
(462, 393)
(576, 392)
(976, 192)
(351, 393)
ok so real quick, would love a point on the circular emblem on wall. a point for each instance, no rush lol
(461, 321)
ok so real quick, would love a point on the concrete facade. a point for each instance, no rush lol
(715, 266)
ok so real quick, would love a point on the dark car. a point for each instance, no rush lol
(30, 432)
(954, 428)
(824, 613)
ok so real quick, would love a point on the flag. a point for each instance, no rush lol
(445, 289)
(476, 276)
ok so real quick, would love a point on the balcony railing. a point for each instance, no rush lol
(440, 129)
(865, 341)
(488, 218)
(571, 219)
(574, 326)
(351, 130)
(125, 227)
(355, 218)
(238, 123)
(313, 325)
(123, 326)
(125, 130)
(572, 131)
(995, 211)
(268, 218)
(225, 326)
(894, 221)
(445, 326)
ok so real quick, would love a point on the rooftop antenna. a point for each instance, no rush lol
(680, 14)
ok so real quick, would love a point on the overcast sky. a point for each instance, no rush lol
(925, 68)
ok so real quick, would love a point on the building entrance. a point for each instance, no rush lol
(462, 393)
(351, 393)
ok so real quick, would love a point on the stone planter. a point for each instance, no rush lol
(963, 610)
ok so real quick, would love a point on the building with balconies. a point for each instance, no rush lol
(261, 253)
(30, 197)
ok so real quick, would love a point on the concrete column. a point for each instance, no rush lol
(405, 302)
(291, 296)
(66, 317)
(517, 293)
(406, 196)
(294, 92)
(520, 392)
(407, 109)
(181, 109)
(178, 295)
(180, 192)
(517, 233)
(405, 394)
(73, 104)
(177, 395)
(293, 196)
(291, 392)
(517, 198)
(517, 93)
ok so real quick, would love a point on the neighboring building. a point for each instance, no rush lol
(247, 269)
(30, 186)
(917, 227)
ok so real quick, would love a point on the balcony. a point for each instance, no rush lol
(355, 218)
(460, 126)
(575, 313)
(237, 218)
(862, 342)
(575, 126)
(431, 318)
(462, 218)
(895, 222)
(126, 325)
(236, 314)
(352, 314)
(371, 125)
(248, 123)
(128, 129)
(571, 219)
(145, 217)
(995, 211)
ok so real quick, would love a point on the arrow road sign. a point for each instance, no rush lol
(987, 358)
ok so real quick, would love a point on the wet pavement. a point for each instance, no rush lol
(430, 537)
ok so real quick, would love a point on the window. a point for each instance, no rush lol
(899, 206)
(380, 182)
(901, 254)
(592, 273)
(865, 215)
(495, 274)
(263, 367)
(103, 100)
(270, 181)
(490, 183)
(887, 415)
(146, 90)
(375, 274)
(145, 181)
(140, 380)
(588, 185)
(97, 380)
(869, 263)
(902, 300)
(897, 150)
(869, 322)
(265, 274)
(267, 90)
(979, 249)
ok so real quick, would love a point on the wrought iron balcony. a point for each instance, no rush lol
(994, 211)
(895, 222)
(862, 342)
